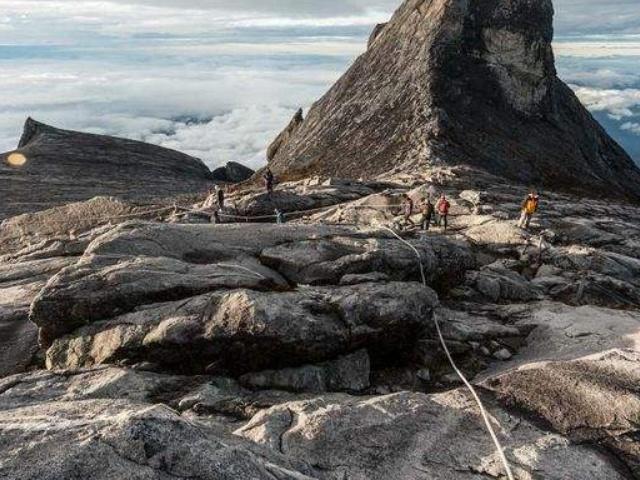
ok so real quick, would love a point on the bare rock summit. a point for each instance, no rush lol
(462, 83)
(53, 167)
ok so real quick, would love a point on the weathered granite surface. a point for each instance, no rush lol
(170, 347)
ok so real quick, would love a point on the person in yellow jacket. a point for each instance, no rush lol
(529, 209)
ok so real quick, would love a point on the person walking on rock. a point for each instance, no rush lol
(407, 207)
(269, 180)
(442, 207)
(427, 210)
(529, 208)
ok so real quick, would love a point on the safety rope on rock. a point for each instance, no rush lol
(100, 219)
(475, 395)
(292, 213)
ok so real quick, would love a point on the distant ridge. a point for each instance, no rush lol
(64, 166)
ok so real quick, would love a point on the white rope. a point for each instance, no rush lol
(99, 220)
(186, 210)
(241, 267)
(483, 412)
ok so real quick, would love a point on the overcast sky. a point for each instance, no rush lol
(219, 78)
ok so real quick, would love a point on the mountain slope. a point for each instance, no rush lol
(53, 167)
(457, 82)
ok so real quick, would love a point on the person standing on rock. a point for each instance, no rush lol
(529, 209)
(408, 210)
(220, 194)
(442, 208)
(269, 180)
(427, 210)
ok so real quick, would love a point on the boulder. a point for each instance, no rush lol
(303, 197)
(20, 282)
(499, 284)
(232, 172)
(326, 261)
(142, 264)
(591, 400)
(67, 229)
(249, 331)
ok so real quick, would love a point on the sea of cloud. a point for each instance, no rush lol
(219, 79)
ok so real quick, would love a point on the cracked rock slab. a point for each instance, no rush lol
(409, 436)
(104, 424)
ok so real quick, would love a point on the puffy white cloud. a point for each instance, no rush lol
(601, 77)
(242, 134)
(617, 103)
(597, 49)
(215, 107)
(631, 127)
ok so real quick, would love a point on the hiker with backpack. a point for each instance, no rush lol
(269, 180)
(529, 209)
(407, 206)
(220, 197)
(427, 209)
(442, 208)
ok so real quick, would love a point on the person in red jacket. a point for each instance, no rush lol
(442, 207)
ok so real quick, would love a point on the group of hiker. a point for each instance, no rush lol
(220, 192)
(430, 214)
(437, 214)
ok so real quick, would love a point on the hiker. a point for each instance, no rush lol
(427, 210)
(407, 206)
(268, 180)
(215, 218)
(220, 193)
(442, 208)
(529, 208)
(279, 216)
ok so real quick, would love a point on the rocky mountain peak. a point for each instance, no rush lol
(60, 166)
(30, 130)
(459, 83)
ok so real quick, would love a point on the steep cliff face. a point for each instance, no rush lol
(460, 82)
(52, 167)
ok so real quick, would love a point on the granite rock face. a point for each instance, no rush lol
(203, 298)
(110, 423)
(410, 436)
(451, 82)
(170, 347)
(308, 350)
(62, 166)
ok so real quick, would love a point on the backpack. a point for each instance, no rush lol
(531, 205)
